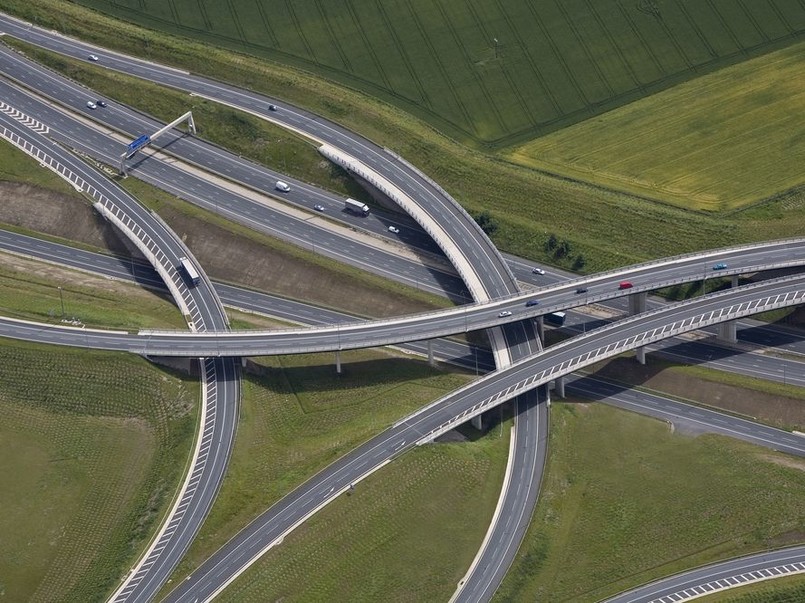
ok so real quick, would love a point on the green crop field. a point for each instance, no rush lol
(626, 500)
(715, 143)
(489, 72)
(92, 446)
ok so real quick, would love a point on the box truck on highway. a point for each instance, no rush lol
(356, 207)
(190, 271)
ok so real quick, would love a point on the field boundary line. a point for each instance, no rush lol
(354, 14)
(586, 48)
(333, 38)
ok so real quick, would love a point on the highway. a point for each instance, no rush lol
(459, 406)
(591, 387)
(705, 269)
(717, 577)
(478, 262)
(220, 378)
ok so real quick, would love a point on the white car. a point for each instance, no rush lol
(394, 229)
(282, 186)
(537, 271)
(92, 57)
(91, 105)
(504, 314)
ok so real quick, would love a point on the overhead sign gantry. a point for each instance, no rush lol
(144, 140)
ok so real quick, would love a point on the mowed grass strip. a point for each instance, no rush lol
(297, 416)
(486, 72)
(626, 501)
(239, 132)
(406, 533)
(715, 143)
(92, 446)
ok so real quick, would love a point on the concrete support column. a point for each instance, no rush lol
(539, 322)
(640, 354)
(243, 362)
(560, 386)
(544, 391)
(728, 331)
(637, 303)
(478, 422)
(338, 361)
(430, 353)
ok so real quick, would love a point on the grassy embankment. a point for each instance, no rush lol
(606, 228)
(414, 526)
(626, 501)
(298, 415)
(92, 447)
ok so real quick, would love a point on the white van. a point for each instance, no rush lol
(282, 186)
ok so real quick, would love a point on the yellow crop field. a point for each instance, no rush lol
(715, 143)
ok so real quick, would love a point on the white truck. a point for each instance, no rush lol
(356, 207)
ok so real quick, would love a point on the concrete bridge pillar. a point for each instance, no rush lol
(559, 386)
(539, 322)
(728, 331)
(338, 361)
(478, 422)
(640, 354)
(637, 303)
(431, 361)
(544, 391)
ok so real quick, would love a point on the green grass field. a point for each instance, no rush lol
(37, 291)
(406, 533)
(488, 72)
(298, 415)
(626, 501)
(92, 446)
(716, 143)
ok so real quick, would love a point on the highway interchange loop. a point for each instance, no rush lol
(501, 272)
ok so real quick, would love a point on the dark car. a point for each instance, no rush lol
(272, 107)
(100, 103)
(581, 290)
(532, 302)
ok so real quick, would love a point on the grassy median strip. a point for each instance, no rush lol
(92, 445)
(626, 500)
